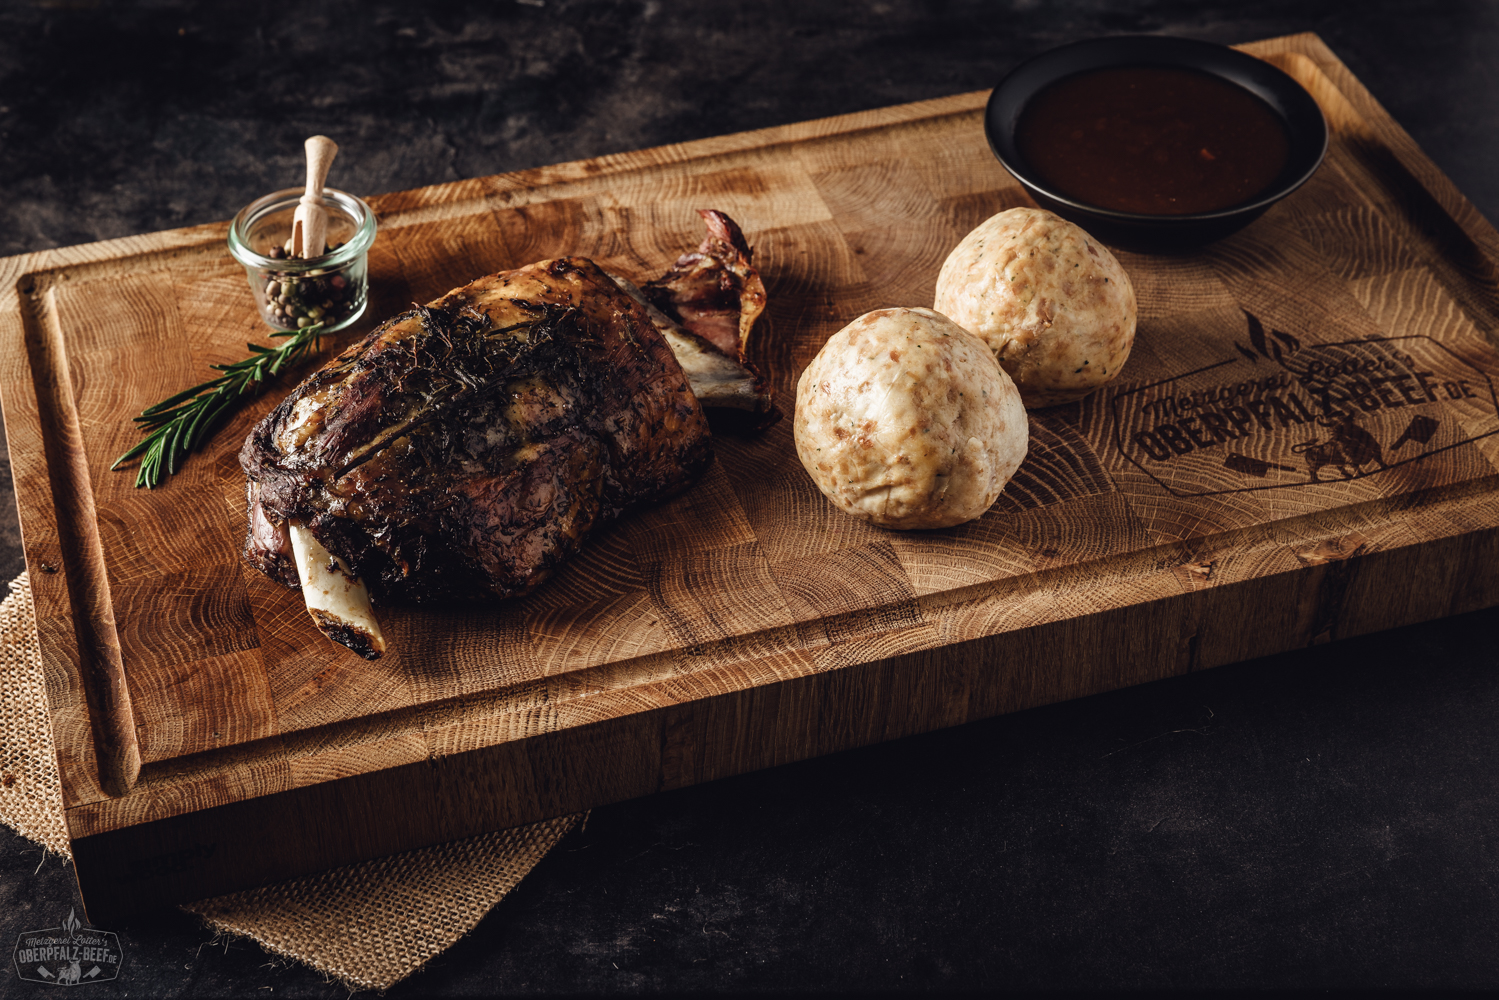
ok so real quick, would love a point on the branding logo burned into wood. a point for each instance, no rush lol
(69, 955)
(1284, 413)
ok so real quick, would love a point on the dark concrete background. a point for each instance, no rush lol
(1324, 818)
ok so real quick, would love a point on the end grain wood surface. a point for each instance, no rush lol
(1196, 508)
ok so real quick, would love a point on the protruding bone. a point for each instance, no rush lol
(337, 600)
(717, 380)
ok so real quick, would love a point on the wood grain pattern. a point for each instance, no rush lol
(1310, 413)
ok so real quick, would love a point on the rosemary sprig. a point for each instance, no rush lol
(177, 425)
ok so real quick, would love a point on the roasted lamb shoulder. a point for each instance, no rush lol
(465, 448)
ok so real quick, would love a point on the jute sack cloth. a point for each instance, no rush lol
(368, 925)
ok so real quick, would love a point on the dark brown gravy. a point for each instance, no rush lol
(1152, 140)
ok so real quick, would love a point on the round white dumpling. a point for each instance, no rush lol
(1052, 302)
(905, 419)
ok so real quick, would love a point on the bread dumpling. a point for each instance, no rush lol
(1052, 302)
(905, 419)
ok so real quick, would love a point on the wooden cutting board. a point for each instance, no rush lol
(1194, 513)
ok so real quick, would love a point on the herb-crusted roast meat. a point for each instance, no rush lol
(465, 448)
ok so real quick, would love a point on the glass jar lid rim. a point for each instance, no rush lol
(359, 243)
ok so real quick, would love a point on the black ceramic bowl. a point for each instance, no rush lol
(1305, 128)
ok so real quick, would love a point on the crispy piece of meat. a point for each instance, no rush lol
(713, 292)
(465, 448)
(720, 381)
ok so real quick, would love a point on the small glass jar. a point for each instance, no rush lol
(290, 292)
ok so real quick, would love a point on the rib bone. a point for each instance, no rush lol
(717, 379)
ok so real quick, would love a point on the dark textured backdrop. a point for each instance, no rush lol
(1323, 818)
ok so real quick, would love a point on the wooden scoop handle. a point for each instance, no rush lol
(310, 224)
(320, 153)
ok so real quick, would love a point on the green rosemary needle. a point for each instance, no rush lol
(176, 426)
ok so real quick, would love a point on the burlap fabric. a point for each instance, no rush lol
(369, 925)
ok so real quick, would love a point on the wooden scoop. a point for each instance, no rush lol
(309, 227)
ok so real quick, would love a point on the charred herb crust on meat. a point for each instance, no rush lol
(465, 448)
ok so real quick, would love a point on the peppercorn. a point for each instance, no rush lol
(294, 301)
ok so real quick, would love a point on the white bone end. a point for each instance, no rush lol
(337, 600)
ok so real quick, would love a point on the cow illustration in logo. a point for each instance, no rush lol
(71, 974)
(1349, 448)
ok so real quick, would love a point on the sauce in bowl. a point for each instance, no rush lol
(1152, 140)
